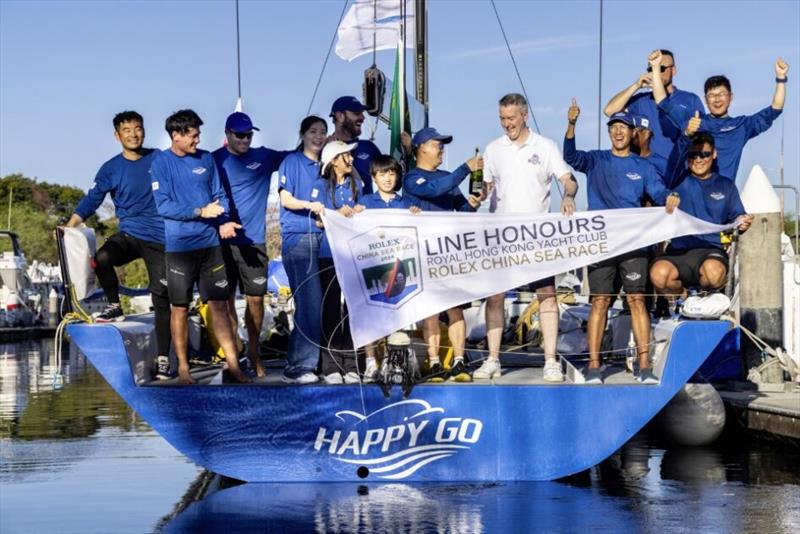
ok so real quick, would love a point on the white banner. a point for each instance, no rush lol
(367, 24)
(396, 268)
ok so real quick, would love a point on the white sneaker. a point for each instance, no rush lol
(370, 371)
(352, 378)
(334, 378)
(552, 371)
(489, 369)
(305, 378)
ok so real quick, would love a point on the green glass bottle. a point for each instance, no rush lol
(476, 178)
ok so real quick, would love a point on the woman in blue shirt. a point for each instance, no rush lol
(300, 236)
(339, 189)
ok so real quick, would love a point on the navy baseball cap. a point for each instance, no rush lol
(239, 122)
(347, 103)
(640, 121)
(623, 117)
(426, 134)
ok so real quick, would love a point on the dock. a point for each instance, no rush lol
(772, 412)
(21, 333)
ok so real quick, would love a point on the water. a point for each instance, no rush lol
(75, 458)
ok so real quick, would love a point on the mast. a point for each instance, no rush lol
(421, 20)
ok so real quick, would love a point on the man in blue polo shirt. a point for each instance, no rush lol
(616, 179)
(195, 209)
(433, 189)
(245, 174)
(126, 177)
(699, 260)
(348, 116)
(639, 102)
(730, 133)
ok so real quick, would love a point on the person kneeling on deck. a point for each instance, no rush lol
(520, 167)
(699, 260)
(437, 190)
(615, 179)
(191, 200)
(386, 172)
(141, 229)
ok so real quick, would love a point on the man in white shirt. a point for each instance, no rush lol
(519, 168)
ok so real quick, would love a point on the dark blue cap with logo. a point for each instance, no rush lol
(240, 123)
(640, 121)
(347, 103)
(426, 134)
(623, 117)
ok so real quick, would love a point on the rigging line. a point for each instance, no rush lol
(374, 32)
(600, 78)
(327, 57)
(514, 62)
(238, 55)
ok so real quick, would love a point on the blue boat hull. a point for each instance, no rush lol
(441, 433)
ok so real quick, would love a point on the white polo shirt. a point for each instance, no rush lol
(522, 175)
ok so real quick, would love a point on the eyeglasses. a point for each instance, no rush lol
(663, 68)
(243, 135)
(718, 96)
(700, 154)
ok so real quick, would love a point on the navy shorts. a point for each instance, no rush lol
(246, 266)
(688, 262)
(204, 267)
(629, 271)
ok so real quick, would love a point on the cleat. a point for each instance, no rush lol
(459, 373)
(552, 371)
(162, 368)
(112, 313)
(436, 373)
(646, 376)
(489, 369)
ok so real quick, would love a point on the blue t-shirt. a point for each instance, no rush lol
(730, 133)
(246, 182)
(362, 157)
(128, 182)
(374, 201)
(666, 128)
(715, 200)
(297, 174)
(615, 182)
(341, 196)
(436, 190)
(181, 184)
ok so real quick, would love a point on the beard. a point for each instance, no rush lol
(351, 128)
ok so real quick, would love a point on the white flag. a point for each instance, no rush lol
(364, 26)
(396, 268)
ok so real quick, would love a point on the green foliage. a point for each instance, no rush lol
(790, 227)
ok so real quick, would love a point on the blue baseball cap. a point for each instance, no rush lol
(347, 103)
(426, 134)
(239, 122)
(623, 117)
(640, 121)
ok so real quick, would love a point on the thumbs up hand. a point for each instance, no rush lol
(574, 112)
(693, 125)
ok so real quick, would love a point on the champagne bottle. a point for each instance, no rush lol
(476, 178)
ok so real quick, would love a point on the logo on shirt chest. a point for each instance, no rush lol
(633, 176)
(199, 170)
(534, 159)
(716, 195)
(362, 155)
(727, 128)
(253, 166)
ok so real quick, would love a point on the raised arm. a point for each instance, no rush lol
(781, 69)
(578, 159)
(659, 91)
(620, 100)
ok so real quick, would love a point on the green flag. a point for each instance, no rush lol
(399, 119)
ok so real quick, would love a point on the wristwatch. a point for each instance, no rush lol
(198, 211)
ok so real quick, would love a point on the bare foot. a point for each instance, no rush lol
(239, 375)
(184, 377)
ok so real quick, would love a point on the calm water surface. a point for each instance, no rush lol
(75, 458)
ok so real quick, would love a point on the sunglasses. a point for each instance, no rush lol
(702, 154)
(663, 68)
(243, 135)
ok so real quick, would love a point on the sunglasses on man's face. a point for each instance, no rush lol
(701, 154)
(663, 68)
(242, 135)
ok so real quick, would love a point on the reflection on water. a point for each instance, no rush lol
(75, 458)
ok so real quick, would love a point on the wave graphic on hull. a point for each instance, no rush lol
(418, 457)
